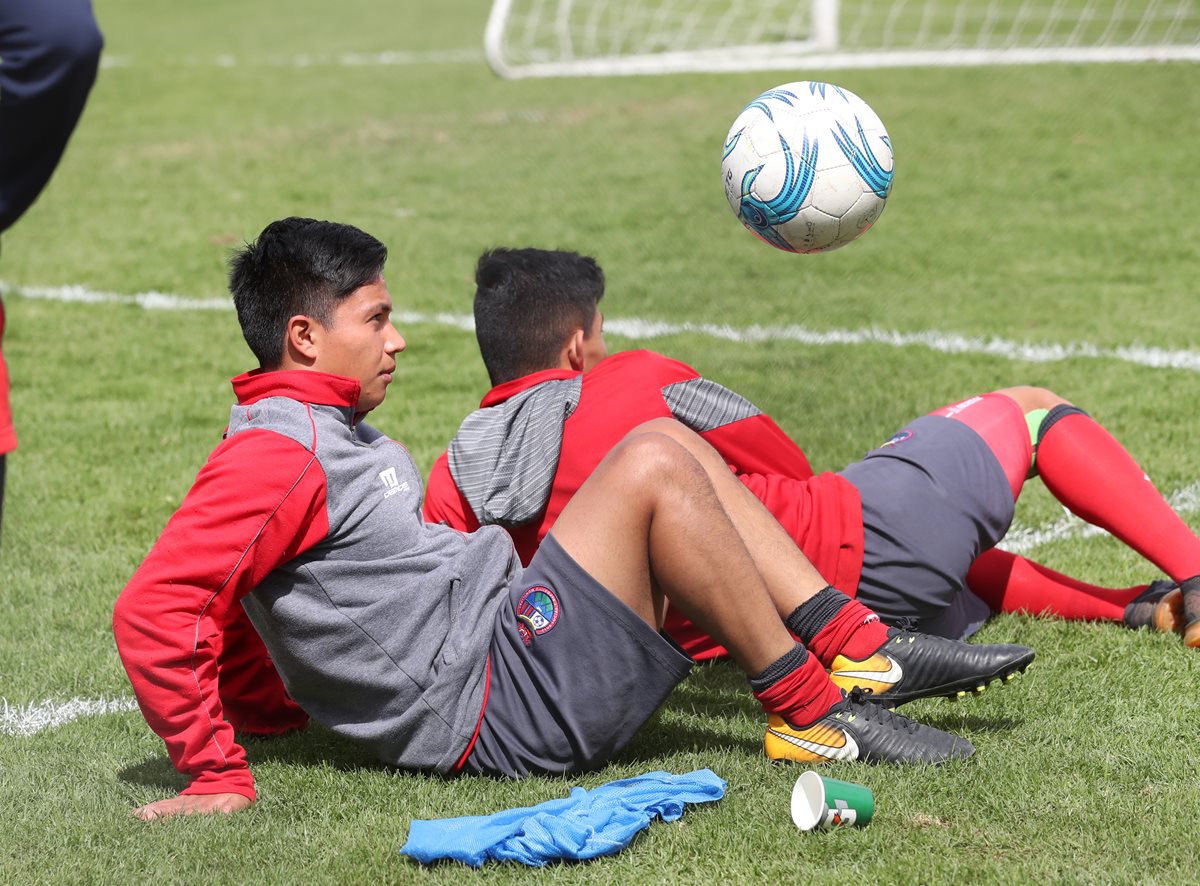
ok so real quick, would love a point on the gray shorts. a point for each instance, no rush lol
(934, 497)
(574, 673)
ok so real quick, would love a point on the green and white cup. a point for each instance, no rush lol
(820, 802)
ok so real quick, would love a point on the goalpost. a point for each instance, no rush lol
(557, 38)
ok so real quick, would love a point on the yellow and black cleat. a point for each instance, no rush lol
(857, 730)
(909, 666)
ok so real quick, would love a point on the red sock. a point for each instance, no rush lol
(803, 695)
(1093, 475)
(1009, 583)
(832, 624)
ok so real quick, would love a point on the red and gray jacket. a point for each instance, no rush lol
(377, 622)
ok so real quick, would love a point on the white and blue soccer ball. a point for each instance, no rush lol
(807, 166)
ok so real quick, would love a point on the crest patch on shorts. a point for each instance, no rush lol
(537, 612)
(898, 437)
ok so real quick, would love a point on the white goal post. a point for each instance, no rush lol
(558, 38)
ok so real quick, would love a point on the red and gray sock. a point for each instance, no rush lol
(796, 687)
(831, 624)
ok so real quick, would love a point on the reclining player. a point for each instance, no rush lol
(434, 649)
(910, 529)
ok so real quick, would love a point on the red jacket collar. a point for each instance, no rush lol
(500, 393)
(307, 386)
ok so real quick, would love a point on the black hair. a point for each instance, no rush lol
(528, 303)
(298, 266)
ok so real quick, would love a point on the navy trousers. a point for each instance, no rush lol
(49, 53)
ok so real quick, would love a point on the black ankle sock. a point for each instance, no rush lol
(781, 667)
(810, 617)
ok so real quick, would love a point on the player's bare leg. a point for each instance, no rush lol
(648, 522)
(790, 577)
(829, 622)
(847, 637)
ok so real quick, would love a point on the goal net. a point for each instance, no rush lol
(553, 38)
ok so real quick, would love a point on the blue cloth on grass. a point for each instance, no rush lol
(585, 825)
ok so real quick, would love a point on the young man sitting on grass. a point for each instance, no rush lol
(434, 649)
(910, 530)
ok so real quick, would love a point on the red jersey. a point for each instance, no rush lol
(520, 458)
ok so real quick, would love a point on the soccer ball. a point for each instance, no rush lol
(807, 166)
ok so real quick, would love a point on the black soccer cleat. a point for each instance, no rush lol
(1159, 607)
(1190, 591)
(909, 666)
(856, 730)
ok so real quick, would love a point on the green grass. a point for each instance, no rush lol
(1048, 204)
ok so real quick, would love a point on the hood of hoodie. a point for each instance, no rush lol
(504, 457)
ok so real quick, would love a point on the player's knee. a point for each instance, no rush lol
(666, 427)
(653, 459)
(1054, 415)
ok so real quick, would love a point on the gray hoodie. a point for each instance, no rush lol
(381, 630)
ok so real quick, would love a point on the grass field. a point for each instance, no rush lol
(1049, 206)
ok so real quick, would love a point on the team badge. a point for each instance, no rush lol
(897, 438)
(537, 612)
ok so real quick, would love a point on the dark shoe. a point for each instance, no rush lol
(1159, 607)
(909, 666)
(1190, 592)
(856, 730)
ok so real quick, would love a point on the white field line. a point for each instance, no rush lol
(395, 58)
(945, 342)
(638, 329)
(30, 719)
(1025, 539)
(155, 301)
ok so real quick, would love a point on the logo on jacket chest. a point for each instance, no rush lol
(391, 483)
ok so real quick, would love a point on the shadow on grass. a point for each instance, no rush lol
(312, 746)
(315, 745)
(154, 772)
(652, 744)
(716, 689)
(954, 721)
(707, 713)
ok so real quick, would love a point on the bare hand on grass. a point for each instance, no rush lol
(199, 804)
